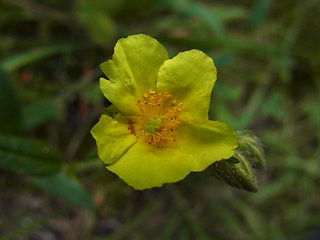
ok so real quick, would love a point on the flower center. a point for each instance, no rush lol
(159, 117)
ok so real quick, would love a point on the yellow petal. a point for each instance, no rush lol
(197, 146)
(189, 78)
(132, 71)
(206, 142)
(144, 166)
(113, 139)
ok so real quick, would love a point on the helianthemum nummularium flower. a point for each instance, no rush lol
(161, 130)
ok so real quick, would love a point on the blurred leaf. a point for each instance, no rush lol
(254, 221)
(28, 227)
(233, 224)
(168, 22)
(229, 13)
(10, 116)
(217, 110)
(38, 113)
(258, 13)
(93, 93)
(27, 156)
(201, 12)
(221, 93)
(310, 106)
(94, 16)
(91, 154)
(225, 91)
(62, 186)
(197, 10)
(274, 189)
(278, 142)
(273, 106)
(19, 60)
(221, 60)
(220, 110)
(233, 44)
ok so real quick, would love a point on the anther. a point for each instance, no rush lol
(160, 117)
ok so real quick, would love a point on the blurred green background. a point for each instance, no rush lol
(52, 184)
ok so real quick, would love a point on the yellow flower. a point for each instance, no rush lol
(161, 130)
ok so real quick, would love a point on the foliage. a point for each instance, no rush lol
(267, 56)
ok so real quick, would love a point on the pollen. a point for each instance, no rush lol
(159, 117)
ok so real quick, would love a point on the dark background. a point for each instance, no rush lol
(52, 184)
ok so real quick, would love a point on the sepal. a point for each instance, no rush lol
(251, 148)
(237, 171)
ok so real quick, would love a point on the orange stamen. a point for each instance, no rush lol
(153, 106)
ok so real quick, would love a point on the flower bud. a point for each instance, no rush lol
(237, 171)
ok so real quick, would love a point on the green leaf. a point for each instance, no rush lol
(38, 113)
(62, 186)
(10, 115)
(93, 15)
(234, 44)
(225, 91)
(27, 156)
(200, 11)
(258, 13)
(222, 59)
(196, 10)
(229, 13)
(236, 172)
(273, 106)
(92, 93)
(19, 60)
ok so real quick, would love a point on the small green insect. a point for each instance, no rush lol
(153, 125)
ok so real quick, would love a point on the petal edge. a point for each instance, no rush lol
(113, 139)
(189, 77)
